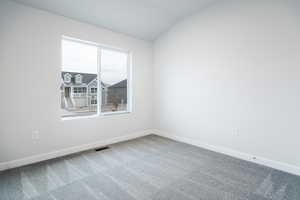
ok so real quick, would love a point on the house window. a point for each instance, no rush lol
(79, 90)
(93, 90)
(78, 78)
(67, 77)
(83, 61)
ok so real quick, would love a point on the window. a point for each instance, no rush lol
(93, 90)
(81, 62)
(114, 70)
(94, 101)
(79, 90)
(67, 78)
(78, 78)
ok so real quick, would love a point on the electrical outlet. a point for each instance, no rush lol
(35, 135)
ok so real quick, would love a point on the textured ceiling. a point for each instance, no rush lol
(145, 19)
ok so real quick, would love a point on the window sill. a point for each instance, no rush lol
(115, 113)
(95, 116)
(78, 117)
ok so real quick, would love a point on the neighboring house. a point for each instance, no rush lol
(117, 93)
(80, 90)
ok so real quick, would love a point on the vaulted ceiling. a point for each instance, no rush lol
(145, 19)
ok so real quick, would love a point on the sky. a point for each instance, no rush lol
(79, 57)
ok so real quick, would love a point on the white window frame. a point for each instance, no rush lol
(99, 90)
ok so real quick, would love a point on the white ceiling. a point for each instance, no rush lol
(144, 19)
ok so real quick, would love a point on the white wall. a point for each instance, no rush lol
(30, 62)
(230, 77)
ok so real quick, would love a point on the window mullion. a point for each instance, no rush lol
(99, 92)
(129, 83)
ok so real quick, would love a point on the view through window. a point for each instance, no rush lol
(114, 80)
(80, 79)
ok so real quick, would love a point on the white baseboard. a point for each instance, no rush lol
(71, 150)
(244, 156)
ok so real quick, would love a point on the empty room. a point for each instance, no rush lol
(150, 100)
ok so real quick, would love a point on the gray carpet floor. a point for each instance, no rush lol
(148, 168)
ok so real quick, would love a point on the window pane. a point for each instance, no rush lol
(114, 80)
(78, 60)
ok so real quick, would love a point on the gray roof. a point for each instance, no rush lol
(121, 84)
(86, 78)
